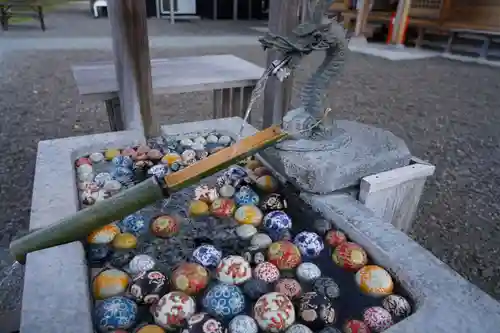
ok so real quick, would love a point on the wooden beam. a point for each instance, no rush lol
(132, 64)
(445, 10)
(362, 18)
(400, 21)
(283, 19)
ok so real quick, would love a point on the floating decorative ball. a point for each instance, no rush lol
(143, 149)
(198, 208)
(173, 310)
(261, 171)
(109, 154)
(350, 256)
(102, 177)
(374, 281)
(355, 326)
(97, 252)
(266, 272)
(121, 258)
(125, 241)
(235, 172)
(190, 278)
(248, 214)
(284, 255)
(205, 193)
(134, 224)
(203, 323)
(243, 324)
(254, 255)
(316, 311)
(222, 207)
(291, 288)
(276, 221)
(155, 155)
(273, 201)
(115, 313)
(274, 312)
(335, 237)
(96, 157)
(104, 235)
(212, 138)
(83, 160)
(261, 241)
(224, 301)
(207, 255)
(147, 328)
(84, 169)
(227, 191)
(122, 161)
(253, 164)
(233, 270)
(149, 286)
(171, 158)
(130, 152)
(377, 319)
(141, 263)
(255, 288)
(224, 140)
(246, 231)
(108, 283)
(298, 328)
(246, 196)
(267, 183)
(308, 272)
(327, 287)
(309, 244)
(159, 171)
(397, 305)
(164, 226)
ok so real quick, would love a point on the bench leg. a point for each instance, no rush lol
(483, 53)
(114, 112)
(222, 103)
(450, 42)
(41, 18)
(420, 37)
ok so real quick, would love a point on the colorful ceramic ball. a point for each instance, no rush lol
(397, 305)
(203, 323)
(235, 172)
(207, 255)
(246, 196)
(82, 161)
(123, 175)
(109, 154)
(198, 208)
(284, 255)
(298, 328)
(308, 272)
(141, 263)
(190, 278)
(335, 237)
(248, 214)
(164, 226)
(159, 171)
(291, 288)
(97, 252)
(355, 326)
(222, 208)
(243, 324)
(309, 244)
(122, 161)
(104, 235)
(377, 319)
(374, 281)
(134, 224)
(246, 231)
(146, 328)
(115, 313)
(121, 258)
(266, 272)
(233, 270)
(224, 301)
(267, 183)
(327, 287)
(273, 201)
(350, 256)
(274, 312)
(316, 311)
(255, 288)
(205, 193)
(149, 286)
(125, 241)
(108, 283)
(173, 310)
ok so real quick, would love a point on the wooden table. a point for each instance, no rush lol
(231, 79)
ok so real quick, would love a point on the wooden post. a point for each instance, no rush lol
(361, 18)
(283, 19)
(132, 64)
(445, 10)
(400, 22)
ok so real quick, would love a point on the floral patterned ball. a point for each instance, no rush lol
(173, 310)
(233, 270)
(377, 319)
(203, 323)
(207, 255)
(164, 226)
(326, 286)
(141, 263)
(275, 222)
(335, 237)
(222, 208)
(374, 281)
(299, 328)
(243, 324)
(309, 244)
(190, 278)
(110, 282)
(246, 196)
(266, 272)
(316, 311)
(274, 312)
(273, 201)
(350, 256)
(284, 255)
(224, 301)
(115, 313)
(355, 326)
(308, 272)
(397, 305)
(149, 286)
(134, 224)
(291, 288)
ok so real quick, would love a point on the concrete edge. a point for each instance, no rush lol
(227, 126)
(445, 303)
(56, 281)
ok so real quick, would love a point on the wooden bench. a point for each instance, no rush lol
(486, 36)
(230, 78)
(21, 8)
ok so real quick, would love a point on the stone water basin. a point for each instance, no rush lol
(355, 294)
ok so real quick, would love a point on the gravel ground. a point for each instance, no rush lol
(444, 110)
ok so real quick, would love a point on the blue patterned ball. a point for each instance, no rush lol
(235, 172)
(159, 171)
(310, 244)
(207, 255)
(123, 175)
(115, 313)
(122, 161)
(97, 252)
(134, 224)
(276, 221)
(246, 196)
(224, 301)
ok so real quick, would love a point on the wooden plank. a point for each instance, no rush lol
(173, 75)
(362, 18)
(283, 19)
(394, 195)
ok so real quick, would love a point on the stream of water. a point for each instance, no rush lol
(7, 273)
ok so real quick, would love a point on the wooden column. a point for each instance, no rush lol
(400, 22)
(362, 18)
(283, 19)
(132, 63)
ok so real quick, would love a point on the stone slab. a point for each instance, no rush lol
(360, 150)
(445, 301)
(56, 283)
